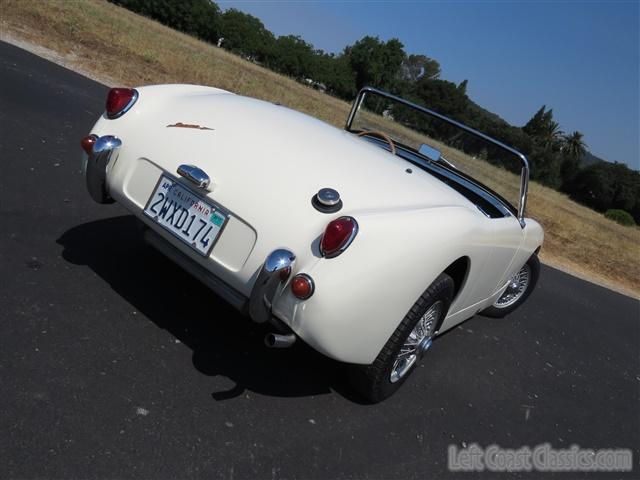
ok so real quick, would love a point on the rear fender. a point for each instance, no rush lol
(152, 100)
(533, 238)
(362, 295)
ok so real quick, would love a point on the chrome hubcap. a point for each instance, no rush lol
(417, 343)
(518, 284)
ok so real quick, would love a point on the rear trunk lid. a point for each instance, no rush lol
(262, 156)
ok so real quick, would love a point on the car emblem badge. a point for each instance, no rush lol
(188, 125)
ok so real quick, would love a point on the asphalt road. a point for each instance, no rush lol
(115, 363)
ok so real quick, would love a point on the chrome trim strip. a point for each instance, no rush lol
(104, 149)
(524, 172)
(274, 273)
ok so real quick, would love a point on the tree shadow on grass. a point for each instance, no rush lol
(223, 341)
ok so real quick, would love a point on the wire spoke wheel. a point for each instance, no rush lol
(517, 286)
(408, 342)
(418, 342)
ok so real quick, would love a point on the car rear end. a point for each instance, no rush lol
(226, 187)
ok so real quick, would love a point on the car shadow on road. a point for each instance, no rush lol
(223, 341)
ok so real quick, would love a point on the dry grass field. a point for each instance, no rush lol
(118, 47)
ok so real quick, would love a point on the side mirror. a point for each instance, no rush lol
(429, 152)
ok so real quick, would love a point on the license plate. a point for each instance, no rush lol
(178, 210)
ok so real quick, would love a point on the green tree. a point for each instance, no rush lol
(574, 146)
(546, 166)
(246, 35)
(545, 155)
(551, 137)
(462, 87)
(200, 18)
(573, 150)
(443, 97)
(534, 126)
(544, 129)
(542, 125)
(415, 67)
(335, 72)
(292, 56)
(374, 62)
(605, 185)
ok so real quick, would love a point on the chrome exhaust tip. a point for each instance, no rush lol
(275, 340)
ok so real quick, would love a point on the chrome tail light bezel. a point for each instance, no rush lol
(346, 243)
(126, 108)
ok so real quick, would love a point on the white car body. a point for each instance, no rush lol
(266, 162)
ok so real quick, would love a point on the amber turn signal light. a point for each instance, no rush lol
(302, 286)
(87, 143)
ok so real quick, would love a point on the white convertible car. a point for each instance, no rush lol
(354, 241)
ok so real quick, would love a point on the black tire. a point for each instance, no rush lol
(534, 273)
(373, 381)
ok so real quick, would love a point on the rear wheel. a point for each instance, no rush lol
(520, 286)
(407, 345)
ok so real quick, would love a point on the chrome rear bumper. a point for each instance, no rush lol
(225, 291)
(273, 274)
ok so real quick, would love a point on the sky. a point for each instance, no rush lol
(580, 58)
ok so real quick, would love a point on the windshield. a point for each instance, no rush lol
(440, 139)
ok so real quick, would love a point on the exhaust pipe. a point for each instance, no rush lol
(275, 340)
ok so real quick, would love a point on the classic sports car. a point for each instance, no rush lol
(355, 241)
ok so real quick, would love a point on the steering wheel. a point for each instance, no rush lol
(382, 135)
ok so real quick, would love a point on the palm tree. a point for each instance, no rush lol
(573, 145)
(551, 136)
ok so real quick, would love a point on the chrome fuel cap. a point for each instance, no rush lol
(327, 200)
(328, 197)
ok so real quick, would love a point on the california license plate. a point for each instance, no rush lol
(183, 213)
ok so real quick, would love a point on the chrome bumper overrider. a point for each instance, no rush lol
(104, 150)
(274, 272)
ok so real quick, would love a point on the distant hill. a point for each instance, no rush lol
(590, 159)
(474, 107)
(587, 160)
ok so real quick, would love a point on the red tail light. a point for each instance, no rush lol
(119, 100)
(338, 236)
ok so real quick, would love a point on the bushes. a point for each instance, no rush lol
(620, 216)
(200, 18)
(607, 186)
